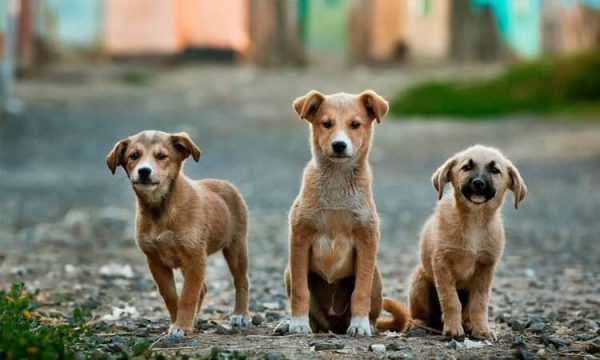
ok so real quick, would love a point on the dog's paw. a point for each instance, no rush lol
(454, 331)
(359, 326)
(484, 333)
(175, 331)
(299, 325)
(239, 320)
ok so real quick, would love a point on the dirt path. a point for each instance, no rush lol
(64, 217)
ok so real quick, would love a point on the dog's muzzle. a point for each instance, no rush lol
(479, 189)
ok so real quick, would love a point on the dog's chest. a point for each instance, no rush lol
(332, 253)
(161, 245)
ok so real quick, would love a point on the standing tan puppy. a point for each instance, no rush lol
(462, 243)
(180, 222)
(332, 278)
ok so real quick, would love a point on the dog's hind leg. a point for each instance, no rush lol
(422, 300)
(236, 255)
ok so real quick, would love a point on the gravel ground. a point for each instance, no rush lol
(67, 224)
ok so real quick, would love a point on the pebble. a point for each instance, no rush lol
(334, 344)
(223, 329)
(518, 325)
(192, 342)
(525, 354)
(378, 348)
(396, 347)
(454, 345)
(416, 332)
(272, 355)
(537, 328)
(557, 342)
(518, 342)
(257, 319)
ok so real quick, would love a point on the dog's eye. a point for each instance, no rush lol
(134, 156)
(327, 124)
(161, 156)
(467, 167)
(354, 125)
(494, 170)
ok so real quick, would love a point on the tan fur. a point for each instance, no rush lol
(332, 274)
(180, 222)
(461, 244)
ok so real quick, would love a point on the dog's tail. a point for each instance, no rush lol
(400, 319)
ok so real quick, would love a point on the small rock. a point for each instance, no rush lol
(192, 342)
(517, 325)
(525, 354)
(416, 332)
(396, 347)
(378, 348)
(557, 342)
(327, 344)
(518, 342)
(224, 329)
(454, 345)
(541, 352)
(504, 318)
(592, 348)
(257, 319)
(272, 355)
(537, 328)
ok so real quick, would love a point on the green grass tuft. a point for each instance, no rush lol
(567, 85)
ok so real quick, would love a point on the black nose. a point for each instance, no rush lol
(144, 172)
(338, 146)
(478, 184)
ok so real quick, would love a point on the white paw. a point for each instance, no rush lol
(175, 331)
(359, 326)
(238, 320)
(300, 325)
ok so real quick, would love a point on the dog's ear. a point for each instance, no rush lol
(442, 176)
(116, 157)
(184, 143)
(307, 106)
(517, 185)
(375, 105)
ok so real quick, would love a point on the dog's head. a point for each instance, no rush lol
(152, 159)
(341, 123)
(480, 175)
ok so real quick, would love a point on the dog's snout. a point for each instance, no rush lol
(478, 184)
(144, 172)
(339, 146)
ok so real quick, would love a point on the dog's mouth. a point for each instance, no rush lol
(479, 198)
(145, 183)
(339, 158)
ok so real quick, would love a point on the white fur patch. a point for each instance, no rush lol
(238, 320)
(300, 325)
(175, 331)
(359, 326)
(478, 199)
(343, 137)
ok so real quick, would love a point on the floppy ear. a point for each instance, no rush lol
(184, 143)
(442, 176)
(116, 156)
(375, 105)
(307, 106)
(517, 185)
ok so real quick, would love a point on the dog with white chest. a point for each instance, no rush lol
(332, 279)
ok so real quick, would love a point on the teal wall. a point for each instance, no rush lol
(74, 23)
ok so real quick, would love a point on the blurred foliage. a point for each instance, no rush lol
(24, 335)
(562, 85)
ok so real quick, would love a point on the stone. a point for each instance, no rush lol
(454, 345)
(377, 348)
(416, 332)
(257, 319)
(517, 325)
(327, 344)
(224, 329)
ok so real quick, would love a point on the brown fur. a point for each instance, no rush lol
(332, 276)
(180, 222)
(461, 244)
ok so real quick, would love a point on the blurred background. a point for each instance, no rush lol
(77, 76)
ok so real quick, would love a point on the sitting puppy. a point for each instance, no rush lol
(332, 279)
(180, 222)
(462, 243)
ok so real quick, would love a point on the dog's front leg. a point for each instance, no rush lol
(165, 282)
(192, 270)
(479, 298)
(445, 285)
(367, 242)
(300, 242)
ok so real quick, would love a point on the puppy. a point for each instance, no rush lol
(462, 243)
(332, 279)
(180, 222)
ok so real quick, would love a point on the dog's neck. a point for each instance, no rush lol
(159, 201)
(342, 185)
